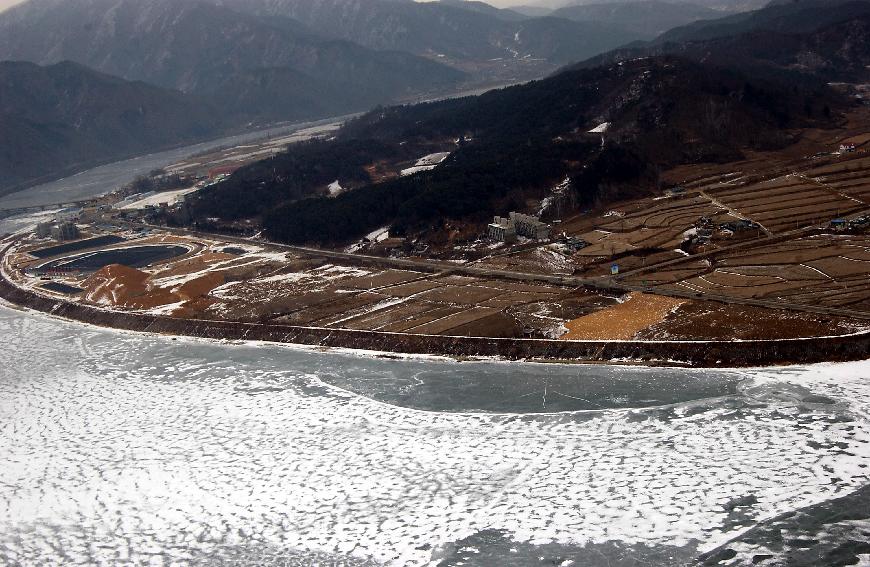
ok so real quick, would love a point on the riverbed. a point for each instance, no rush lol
(109, 177)
(130, 449)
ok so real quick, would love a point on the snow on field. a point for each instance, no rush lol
(322, 277)
(167, 309)
(254, 256)
(426, 163)
(170, 197)
(416, 169)
(176, 450)
(26, 222)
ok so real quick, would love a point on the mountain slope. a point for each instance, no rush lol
(444, 28)
(203, 48)
(517, 143)
(59, 118)
(838, 52)
(800, 16)
(648, 18)
(482, 7)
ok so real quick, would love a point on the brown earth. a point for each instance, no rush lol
(622, 321)
(713, 321)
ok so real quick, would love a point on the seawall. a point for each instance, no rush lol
(694, 353)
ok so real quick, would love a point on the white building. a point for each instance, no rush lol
(517, 224)
(530, 227)
(502, 230)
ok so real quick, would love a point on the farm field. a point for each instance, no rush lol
(828, 270)
(253, 283)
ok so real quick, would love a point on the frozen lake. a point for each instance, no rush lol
(124, 449)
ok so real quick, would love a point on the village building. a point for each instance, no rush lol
(65, 231)
(503, 229)
(530, 227)
(68, 215)
(43, 229)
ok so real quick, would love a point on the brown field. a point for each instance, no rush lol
(622, 321)
(695, 320)
(829, 270)
(266, 286)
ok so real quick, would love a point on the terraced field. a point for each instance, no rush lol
(810, 195)
(786, 203)
(826, 270)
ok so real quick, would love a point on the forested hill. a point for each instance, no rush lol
(826, 41)
(64, 117)
(647, 18)
(513, 145)
(795, 17)
(456, 31)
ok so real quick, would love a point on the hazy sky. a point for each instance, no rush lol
(501, 3)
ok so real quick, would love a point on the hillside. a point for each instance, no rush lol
(648, 18)
(450, 31)
(64, 117)
(521, 142)
(508, 14)
(801, 16)
(211, 50)
(836, 53)
(828, 52)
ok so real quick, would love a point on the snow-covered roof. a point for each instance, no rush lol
(601, 128)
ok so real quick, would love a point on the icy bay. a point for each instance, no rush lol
(125, 449)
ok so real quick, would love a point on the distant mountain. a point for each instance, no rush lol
(836, 53)
(824, 44)
(532, 11)
(721, 6)
(457, 31)
(65, 117)
(484, 8)
(211, 50)
(794, 17)
(647, 18)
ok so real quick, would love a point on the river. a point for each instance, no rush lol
(106, 178)
(127, 449)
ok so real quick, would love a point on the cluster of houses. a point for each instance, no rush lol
(858, 224)
(60, 231)
(507, 229)
(739, 225)
(847, 148)
(63, 227)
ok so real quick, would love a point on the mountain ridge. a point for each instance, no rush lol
(201, 48)
(65, 116)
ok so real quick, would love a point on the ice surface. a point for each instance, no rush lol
(129, 449)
